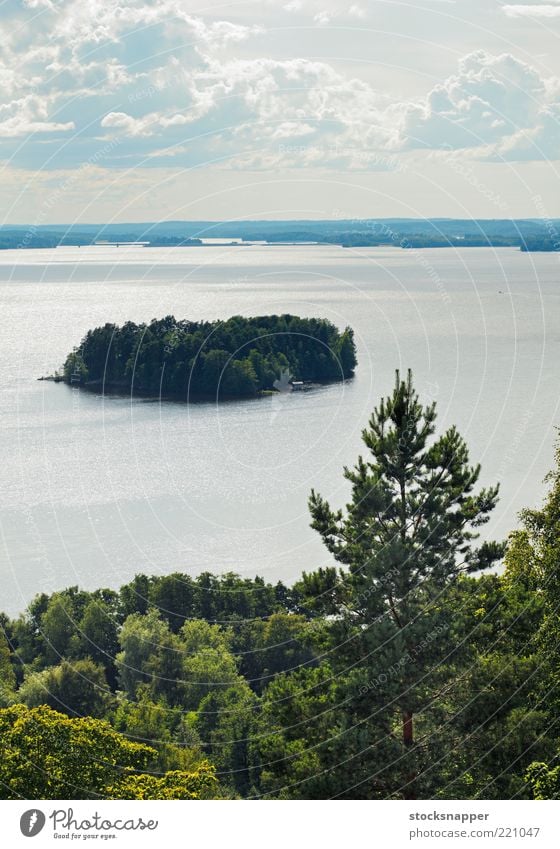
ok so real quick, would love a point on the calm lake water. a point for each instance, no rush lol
(96, 489)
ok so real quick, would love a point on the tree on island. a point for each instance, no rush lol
(240, 357)
(406, 536)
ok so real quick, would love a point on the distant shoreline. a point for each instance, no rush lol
(530, 234)
(412, 246)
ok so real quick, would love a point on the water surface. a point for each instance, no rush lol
(96, 489)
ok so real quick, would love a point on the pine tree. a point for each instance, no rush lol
(405, 536)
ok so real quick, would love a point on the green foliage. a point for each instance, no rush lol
(286, 644)
(150, 655)
(75, 370)
(45, 755)
(77, 688)
(321, 593)
(543, 781)
(406, 536)
(238, 357)
(7, 673)
(147, 721)
(59, 624)
(225, 721)
(533, 559)
(175, 597)
(177, 784)
(98, 635)
(208, 663)
(144, 719)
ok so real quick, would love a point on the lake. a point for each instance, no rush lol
(96, 489)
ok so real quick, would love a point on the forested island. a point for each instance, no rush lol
(409, 671)
(240, 357)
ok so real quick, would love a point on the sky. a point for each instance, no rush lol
(128, 110)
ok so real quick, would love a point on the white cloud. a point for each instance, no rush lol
(356, 11)
(129, 125)
(175, 84)
(537, 11)
(496, 104)
(20, 126)
(105, 21)
(27, 115)
(292, 129)
(38, 4)
(146, 126)
(261, 101)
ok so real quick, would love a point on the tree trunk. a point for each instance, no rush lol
(408, 729)
(408, 740)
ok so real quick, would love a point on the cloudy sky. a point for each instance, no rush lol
(129, 110)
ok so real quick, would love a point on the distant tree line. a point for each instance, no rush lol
(188, 359)
(414, 233)
(34, 237)
(423, 240)
(542, 243)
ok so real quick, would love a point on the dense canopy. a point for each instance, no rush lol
(188, 359)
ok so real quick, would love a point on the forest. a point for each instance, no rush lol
(414, 668)
(547, 243)
(240, 357)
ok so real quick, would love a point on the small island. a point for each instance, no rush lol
(185, 360)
